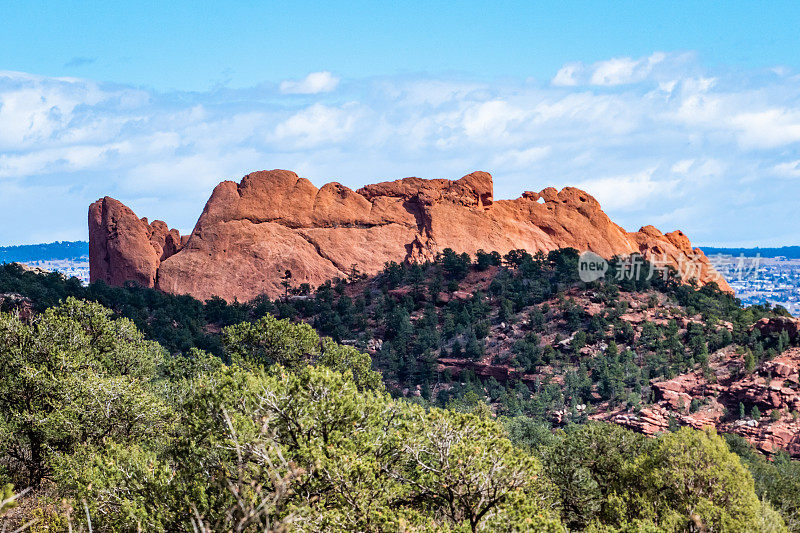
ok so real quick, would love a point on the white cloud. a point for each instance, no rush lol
(710, 168)
(614, 71)
(567, 76)
(667, 86)
(698, 169)
(624, 70)
(491, 119)
(619, 71)
(790, 169)
(314, 83)
(33, 109)
(652, 138)
(317, 124)
(627, 191)
(520, 159)
(189, 174)
(429, 92)
(682, 166)
(770, 128)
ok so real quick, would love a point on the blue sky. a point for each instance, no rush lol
(681, 114)
(196, 45)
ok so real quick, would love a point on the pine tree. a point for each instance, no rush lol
(456, 350)
(474, 349)
(783, 341)
(673, 424)
(749, 362)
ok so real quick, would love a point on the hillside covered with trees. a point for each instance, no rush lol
(44, 252)
(790, 252)
(456, 395)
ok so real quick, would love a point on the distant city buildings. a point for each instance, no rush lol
(757, 280)
(78, 268)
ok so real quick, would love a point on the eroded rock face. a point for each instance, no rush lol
(779, 324)
(250, 233)
(123, 247)
(774, 387)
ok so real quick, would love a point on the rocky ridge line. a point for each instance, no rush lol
(250, 233)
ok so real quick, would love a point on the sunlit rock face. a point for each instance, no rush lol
(250, 233)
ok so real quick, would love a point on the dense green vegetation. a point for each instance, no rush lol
(419, 316)
(416, 311)
(297, 433)
(163, 413)
(178, 323)
(777, 479)
(44, 252)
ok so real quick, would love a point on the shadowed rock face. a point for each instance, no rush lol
(123, 247)
(250, 233)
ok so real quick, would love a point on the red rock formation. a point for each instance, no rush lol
(12, 302)
(123, 247)
(778, 324)
(774, 385)
(250, 233)
(774, 388)
(454, 366)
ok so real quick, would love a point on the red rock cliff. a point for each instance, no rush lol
(123, 247)
(250, 233)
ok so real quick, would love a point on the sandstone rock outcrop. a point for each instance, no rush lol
(774, 387)
(123, 247)
(251, 233)
(778, 324)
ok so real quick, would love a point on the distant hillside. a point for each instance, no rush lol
(44, 252)
(790, 252)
